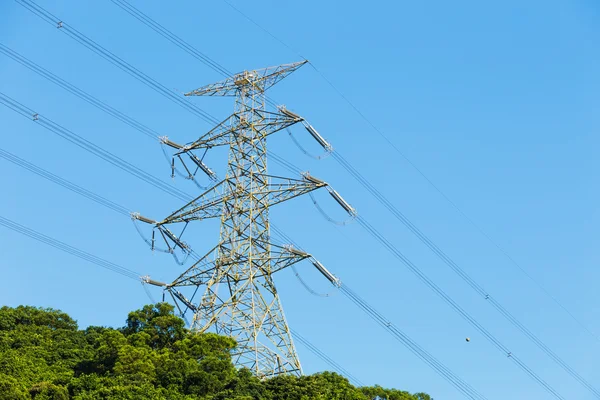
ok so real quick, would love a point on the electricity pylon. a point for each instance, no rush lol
(240, 299)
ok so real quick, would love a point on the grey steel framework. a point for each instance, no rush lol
(240, 299)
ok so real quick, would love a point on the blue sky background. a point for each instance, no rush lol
(496, 103)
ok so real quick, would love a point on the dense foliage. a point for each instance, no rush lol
(44, 356)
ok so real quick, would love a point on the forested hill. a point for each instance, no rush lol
(44, 356)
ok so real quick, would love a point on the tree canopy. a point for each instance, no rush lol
(44, 356)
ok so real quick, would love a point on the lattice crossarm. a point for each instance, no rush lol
(259, 80)
(218, 136)
(200, 272)
(208, 205)
(282, 189)
(264, 124)
(226, 87)
(285, 256)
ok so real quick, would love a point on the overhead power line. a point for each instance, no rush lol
(387, 244)
(485, 295)
(316, 351)
(466, 389)
(117, 61)
(115, 113)
(128, 273)
(284, 44)
(124, 211)
(92, 197)
(69, 249)
(462, 386)
(423, 175)
(91, 147)
(173, 38)
(455, 306)
(69, 87)
(101, 105)
(176, 40)
(352, 171)
(179, 42)
(384, 201)
(64, 183)
(48, 17)
(114, 206)
(107, 264)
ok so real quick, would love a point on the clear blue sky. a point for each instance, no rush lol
(496, 103)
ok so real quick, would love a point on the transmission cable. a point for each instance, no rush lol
(326, 358)
(387, 244)
(91, 147)
(373, 191)
(136, 276)
(327, 153)
(285, 238)
(119, 115)
(101, 105)
(124, 211)
(117, 61)
(410, 344)
(457, 308)
(78, 92)
(114, 206)
(437, 366)
(63, 182)
(424, 176)
(147, 291)
(54, 21)
(464, 275)
(69, 249)
(452, 264)
(177, 41)
(42, 13)
(345, 164)
(340, 159)
(94, 149)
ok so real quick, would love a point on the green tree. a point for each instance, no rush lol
(44, 356)
(159, 322)
(12, 389)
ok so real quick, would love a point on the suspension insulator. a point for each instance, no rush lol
(297, 252)
(345, 205)
(174, 238)
(290, 114)
(182, 298)
(318, 137)
(165, 140)
(143, 219)
(203, 166)
(146, 279)
(330, 277)
(312, 179)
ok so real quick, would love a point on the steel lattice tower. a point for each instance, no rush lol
(240, 299)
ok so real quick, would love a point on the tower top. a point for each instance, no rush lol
(257, 80)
